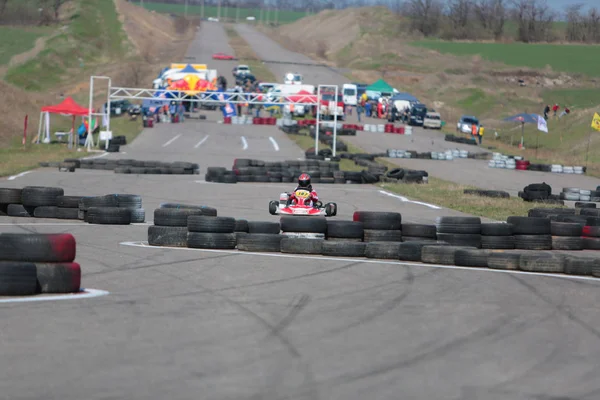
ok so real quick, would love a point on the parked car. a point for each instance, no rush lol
(417, 114)
(465, 123)
(241, 70)
(432, 120)
(292, 78)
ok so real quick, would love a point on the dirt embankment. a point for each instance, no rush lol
(157, 39)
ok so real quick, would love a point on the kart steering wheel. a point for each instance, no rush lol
(318, 204)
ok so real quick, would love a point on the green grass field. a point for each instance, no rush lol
(566, 58)
(94, 36)
(226, 12)
(17, 40)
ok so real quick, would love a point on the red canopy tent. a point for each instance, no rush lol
(67, 107)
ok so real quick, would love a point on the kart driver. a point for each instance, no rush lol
(304, 184)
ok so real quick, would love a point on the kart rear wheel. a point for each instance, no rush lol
(273, 204)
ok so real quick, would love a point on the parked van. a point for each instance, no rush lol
(432, 120)
(350, 94)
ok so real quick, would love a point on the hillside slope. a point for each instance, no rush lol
(112, 38)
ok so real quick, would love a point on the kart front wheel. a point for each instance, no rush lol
(330, 209)
(273, 204)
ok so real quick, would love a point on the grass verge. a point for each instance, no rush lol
(438, 191)
(247, 56)
(16, 159)
(18, 40)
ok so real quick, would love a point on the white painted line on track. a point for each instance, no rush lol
(104, 154)
(274, 143)
(12, 178)
(404, 199)
(83, 294)
(171, 140)
(244, 143)
(364, 260)
(201, 142)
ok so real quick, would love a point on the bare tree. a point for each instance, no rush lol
(591, 26)
(575, 31)
(534, 20)
(425, 15)
(459, 13)
(491, 14)
(3, 7)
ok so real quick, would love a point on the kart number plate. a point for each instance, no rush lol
(303, 194)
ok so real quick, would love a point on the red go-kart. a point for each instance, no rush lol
(301, 205)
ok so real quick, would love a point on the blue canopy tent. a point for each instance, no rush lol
(523, 118)
(405, 96)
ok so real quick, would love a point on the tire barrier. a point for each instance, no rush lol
(128, 166)
(449, 154)
(38, 263)
(522, 243)
(498, 194)
(460, 139)
(321, 171)
(542, 192)
(50, 202)
(516, 162)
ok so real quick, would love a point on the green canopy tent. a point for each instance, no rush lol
(381, 86)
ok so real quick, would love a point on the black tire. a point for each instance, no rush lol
(542, 262)
(138, 215)
(530, 225)
(202, 223)
(303, 224)
(374, 235)
(533, 242)
(17, 278)
(272, 228)
(498, 242)
(10, 196)
(67, 213)
(204, 240)
(383, 250)
(504, 261)
(301, 245)
(58, 277)
(35, 196)
(45, 212)
(209, 211)
(130, 201)
(497, 229)
(472, 258)
(273, 206)
(416, 239)
(411, 251)
(68, 201)
(174, 216)
(259, 242)
(171, 236)
(108, 216)
(434, 254)
(461, 239)
(543, 212)
(566, 229)
(567, 243)
(379, 220)
(37, 247)
(579, 204)
(419, 230)
(580, 265)
(241, 225)
(591, 243)
(97, 201)
(345, 229)
(461, 225)
(19, 210)
(343, 249)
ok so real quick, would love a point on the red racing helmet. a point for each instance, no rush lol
(304, 180)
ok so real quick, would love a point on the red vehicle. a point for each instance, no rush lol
(300, 206)
(222, 56)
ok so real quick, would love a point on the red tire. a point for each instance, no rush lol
(58, 277)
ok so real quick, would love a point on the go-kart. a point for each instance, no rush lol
(301, 205)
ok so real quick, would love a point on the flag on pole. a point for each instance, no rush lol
(542, 125)
(596, 122)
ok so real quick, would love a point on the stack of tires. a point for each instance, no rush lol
(566, 235)
(538, 192)
(344, 239)
(401, 175)
(112, 209)
(211, 232)
(38, 263)
(220, 175)
(551, 213)
(170, 227)
(591, 234)
(262, 236)
(531, 233)
(31, 201)
(380, 226)
(497, 236)
(128, 166)
(418, 232)
(459, 231)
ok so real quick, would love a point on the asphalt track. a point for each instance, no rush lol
(187, 324)
(468, 172)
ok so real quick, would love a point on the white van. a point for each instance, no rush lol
(432, 120)
(350, 94)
